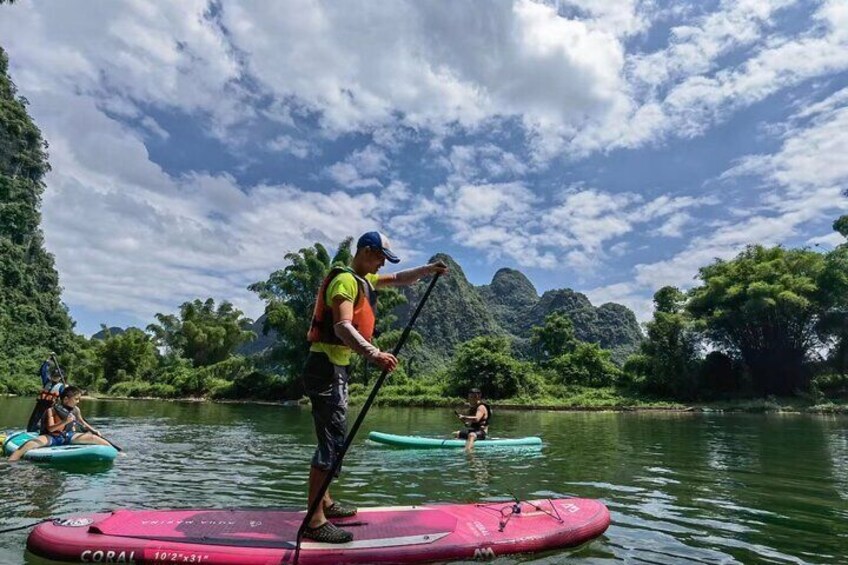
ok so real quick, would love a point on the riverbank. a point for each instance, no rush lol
(588, 400)
(754, 406)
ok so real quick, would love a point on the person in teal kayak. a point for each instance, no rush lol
(52, 385)
(59, 425)
(476, 421)
(343, 324)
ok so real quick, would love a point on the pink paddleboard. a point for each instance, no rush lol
(405, 534)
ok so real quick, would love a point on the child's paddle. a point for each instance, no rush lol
(112, 444)
(109, 441)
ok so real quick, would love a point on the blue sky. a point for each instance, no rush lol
(610, 147)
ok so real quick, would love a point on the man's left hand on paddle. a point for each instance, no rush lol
(438, 267)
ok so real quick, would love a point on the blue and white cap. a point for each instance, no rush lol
(376, 240)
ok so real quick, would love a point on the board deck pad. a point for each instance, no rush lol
(268, 528)
(408, 534)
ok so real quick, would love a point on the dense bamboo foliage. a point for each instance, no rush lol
(33, 319)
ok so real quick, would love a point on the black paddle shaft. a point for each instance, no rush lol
(319, 497)
(58, 368)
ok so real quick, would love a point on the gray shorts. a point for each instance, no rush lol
(463, 434)
(326, 386)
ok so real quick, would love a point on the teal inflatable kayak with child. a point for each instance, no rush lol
(435, 443)
(83, 453)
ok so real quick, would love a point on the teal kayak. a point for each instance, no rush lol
(430, 443)
(81, 453)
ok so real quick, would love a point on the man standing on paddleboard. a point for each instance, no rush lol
(342, 324)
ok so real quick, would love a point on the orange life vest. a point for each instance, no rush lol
(60, 413)
(50, 391)
(321, 329)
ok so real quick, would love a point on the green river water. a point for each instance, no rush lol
(681, 487)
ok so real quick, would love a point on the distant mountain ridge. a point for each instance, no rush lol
(510, 305)
(454, 313)
(510, 296)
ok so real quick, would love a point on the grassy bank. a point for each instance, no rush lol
(778, 405)
(583, 399)
(578, 399)
(569, 398)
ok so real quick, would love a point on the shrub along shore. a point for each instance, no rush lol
(610, 402)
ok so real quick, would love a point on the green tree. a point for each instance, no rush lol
(720, 374)
(289, 296)
(764, 305)
(666, 364)
(672, 346)
(83, 363)
(587, 364)
(841, 225)
(202, 333)
(486, 363)
(33, 319)
(833, 285)
(554, 338)
(128, 356)
(669, 300)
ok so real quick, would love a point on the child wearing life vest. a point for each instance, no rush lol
(60, 426)
(52, 385)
